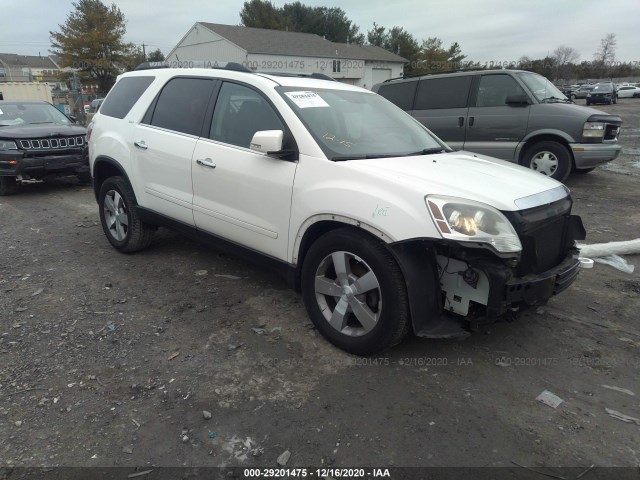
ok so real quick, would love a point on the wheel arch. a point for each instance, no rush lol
(551, 136)
(316, 226)
(415, 258)
(105, 167)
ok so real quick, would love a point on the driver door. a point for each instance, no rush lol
(239, 194)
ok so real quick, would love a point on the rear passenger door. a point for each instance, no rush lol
(441, 105)
(493, 127)
(164, 144)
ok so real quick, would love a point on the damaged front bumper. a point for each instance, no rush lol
(489, 289)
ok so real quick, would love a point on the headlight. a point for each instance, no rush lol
(8, 145)
(593, 129)
(468, 221)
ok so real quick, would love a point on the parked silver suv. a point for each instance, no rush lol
(509, 114)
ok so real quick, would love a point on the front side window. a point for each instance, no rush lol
(182, 105)
(358, 125)
(241, 112)
(494, 90)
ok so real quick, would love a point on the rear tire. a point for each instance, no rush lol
(8, 186)
(354, 292)
(120, 221)
(549, 158)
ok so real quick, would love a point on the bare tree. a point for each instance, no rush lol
(607, 51)
(563, 55)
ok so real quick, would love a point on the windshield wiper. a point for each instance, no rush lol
(340, 158)
(427, 151)
(424, 151)
(555, 100)
(38, 123)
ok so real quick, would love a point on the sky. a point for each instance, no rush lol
(487, 30)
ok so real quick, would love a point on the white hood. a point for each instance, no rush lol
(463, 174)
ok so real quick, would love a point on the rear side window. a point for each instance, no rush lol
(124, 95)
(399, 93)
(447, 92)
(182, 105)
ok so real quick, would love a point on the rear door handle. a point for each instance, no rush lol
(141, 144)
(460, 121)
(206, 162)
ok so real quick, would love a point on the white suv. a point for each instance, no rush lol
(379, 223)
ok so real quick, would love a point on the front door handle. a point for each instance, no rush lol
(206, 162)
(141, 144)
(460, 121)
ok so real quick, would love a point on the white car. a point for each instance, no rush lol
(628, 91)
(382, 226)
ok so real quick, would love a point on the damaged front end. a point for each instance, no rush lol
(513, 267)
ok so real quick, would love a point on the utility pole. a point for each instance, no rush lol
(144, 52)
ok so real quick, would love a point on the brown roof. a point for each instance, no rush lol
(280, 42)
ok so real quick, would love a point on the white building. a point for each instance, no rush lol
(281, 51)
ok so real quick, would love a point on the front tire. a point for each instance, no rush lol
(120, 221)
(549, 158)
(354, 292)
(8, 186)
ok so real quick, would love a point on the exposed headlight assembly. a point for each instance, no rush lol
(593, 129)
(468, 221)
(8, 145)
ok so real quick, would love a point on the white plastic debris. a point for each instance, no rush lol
(549, 398)
(627, 247)
(609, 253)
(616, 262)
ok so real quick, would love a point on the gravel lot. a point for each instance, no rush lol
(110, 360)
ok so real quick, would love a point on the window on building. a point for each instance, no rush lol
(3, 72)
(336, 66)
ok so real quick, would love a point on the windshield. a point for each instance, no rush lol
(30, 114)
(542, 88)
(355, 125)
(605, 87)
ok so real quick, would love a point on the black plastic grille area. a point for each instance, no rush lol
(52, 143)
(545, 244)
(543, 233)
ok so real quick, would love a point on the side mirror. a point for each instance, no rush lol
(267, 141)
(520, 100)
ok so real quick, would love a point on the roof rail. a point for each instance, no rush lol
(459, 70)
(319, 76)
(237, 67)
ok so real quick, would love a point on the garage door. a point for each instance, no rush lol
(381, 74)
